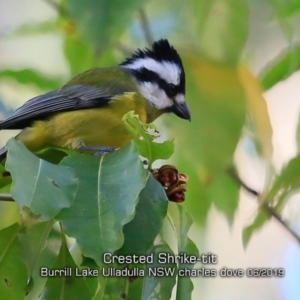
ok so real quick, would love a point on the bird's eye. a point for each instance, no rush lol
(172, 90)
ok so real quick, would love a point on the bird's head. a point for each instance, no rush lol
(160, 76)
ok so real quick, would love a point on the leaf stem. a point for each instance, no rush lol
(265, 205)
(6, 197)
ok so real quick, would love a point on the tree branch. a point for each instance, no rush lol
(146, 27)
(265, 205)
(6, 198)
(271, 211)
(233, 174)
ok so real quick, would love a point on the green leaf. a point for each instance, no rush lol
(101, 22)
(259, 221)
(217, 120)
(151, 286)
(114, 288)
(34, 241)
(5, 180)
(54, 155)
(93, 282)
(67, 286)
(79, 54)
(282, 15)
(9, 214)
(181, 222)
(287, 182)
(82, 56)
(46, 27)
(258, 114)
(42, 187)
(157, 287)
(286, 8)
(222, 28)
(184, 284)
(108, 192)
(13, 274)
(225, 195)
(281, 67)
(143, 138)
(149, 215)
(28, 76)
(198, 199)
(40, 244)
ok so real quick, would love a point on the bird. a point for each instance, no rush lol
(88, 109)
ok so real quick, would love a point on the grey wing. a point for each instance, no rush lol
(66, 99)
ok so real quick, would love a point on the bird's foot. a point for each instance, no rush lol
(99, 150)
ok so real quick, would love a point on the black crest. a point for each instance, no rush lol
(161, 51)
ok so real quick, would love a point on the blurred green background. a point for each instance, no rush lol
(234, 52)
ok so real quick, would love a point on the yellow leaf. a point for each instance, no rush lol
(257, 109)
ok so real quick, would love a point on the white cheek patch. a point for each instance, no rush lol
(179, 98)
(168, 71)
(156, 96)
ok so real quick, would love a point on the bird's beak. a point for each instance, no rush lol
(182, 110)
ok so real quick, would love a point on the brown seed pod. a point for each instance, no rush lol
(168, 175)
(182, 178)
(155, 173)
(176, 194)
(173, 182)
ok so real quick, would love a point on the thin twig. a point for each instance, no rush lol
(271, 211)
(265, 206)
(6, 197)
(146, 27)
(233, 174)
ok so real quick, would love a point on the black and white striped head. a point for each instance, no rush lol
(160, 76)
